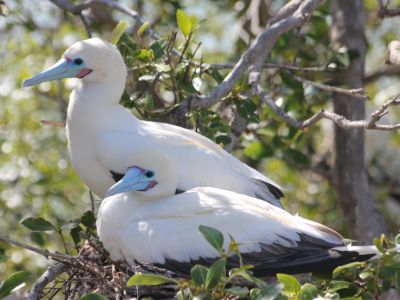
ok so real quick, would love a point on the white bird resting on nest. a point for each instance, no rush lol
(102, 135)
(142, 220)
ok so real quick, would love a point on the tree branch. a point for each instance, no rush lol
(323, 114)
(384, 11)
(46, 253)
(254, 56)
(51, 273)
(77, 9)
(385, 71)
(86, 25)
(273, 66)
(357, 93)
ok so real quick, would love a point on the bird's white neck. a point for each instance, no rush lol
(90, 101)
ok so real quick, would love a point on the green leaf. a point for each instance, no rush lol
(223, 139)
(12, 282)
(290, 284)
(149, 279)
(215, 273)
(238, 291)
(93, 296)
(213, 236)
(3, 256)
(269, 292)
(337, 285)
(308, 292)
(143, 28)
(158, 50)
(37, 224)
(75, 234)
(256, 150)
(351, 268)
(88, 219)
(290, 82)
(144, 55)
(199, 274)
(184, 22)
(246, 274)
(37, 237)
(118, 31)
(296, 156)
(186, 86)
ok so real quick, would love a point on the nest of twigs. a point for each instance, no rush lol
(92, 271)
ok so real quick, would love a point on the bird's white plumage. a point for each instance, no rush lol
(154, 230)
(102, 135)
(156, 225)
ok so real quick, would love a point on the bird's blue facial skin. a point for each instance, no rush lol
(135, 179)
(64, 68)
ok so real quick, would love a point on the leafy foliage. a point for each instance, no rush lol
(13, 282)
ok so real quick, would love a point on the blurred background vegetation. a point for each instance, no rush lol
(36, 178)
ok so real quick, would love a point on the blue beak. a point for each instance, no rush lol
(133, 180)
(62, 69)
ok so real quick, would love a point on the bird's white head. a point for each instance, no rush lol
(92, 60)
(151, 175)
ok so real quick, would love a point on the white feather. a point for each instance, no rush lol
(132, 228)
(102, 135)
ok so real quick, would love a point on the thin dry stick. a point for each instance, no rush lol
(384, 11)
(86, 25)
(46, 253)
(322, 114)
(273, 66)
(357, 93)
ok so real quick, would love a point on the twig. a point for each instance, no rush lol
(357, 93)
(53, 123)
(273, 66)
(51, 273)
(339, 120)
(378, 114)
(386, 71)
(77, 9)
(91, 201)
(86, 25)
(46, 253)
(383, 11)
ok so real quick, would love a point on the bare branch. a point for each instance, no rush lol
(357, 93)
(86, 25)
(53, 123)
(44, 252)
(378, 114)
(51, 273)
(77, 9)
(285, 11)
(385, 71)
(384, 11)
(323, 114)
(274, 66)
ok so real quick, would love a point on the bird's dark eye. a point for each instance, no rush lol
(149, 174)
(78, 61)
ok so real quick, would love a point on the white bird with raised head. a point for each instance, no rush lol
(142, 220)
(102, 134)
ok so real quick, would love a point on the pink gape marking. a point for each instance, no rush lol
(82, 73)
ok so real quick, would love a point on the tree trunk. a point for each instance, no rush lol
(349, 174)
